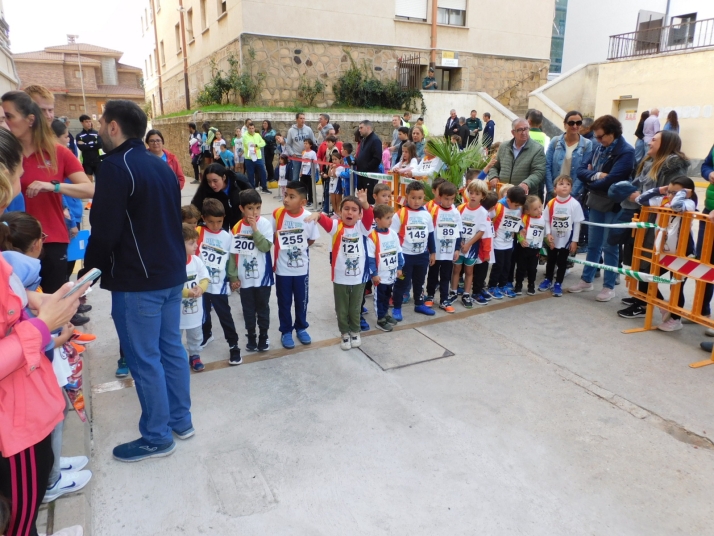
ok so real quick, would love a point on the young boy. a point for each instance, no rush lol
(506, 217)
(385, 263)
(530, 240)
(415, 228)
(250, 268)
(306, 178)
(435, 190)
(190, 214)
(293, 235)
(447, 226)
(191, 303)
(475, 249)
(563, 215)
(214, 244)
(227, 157)
(349, 163)
(382, 194)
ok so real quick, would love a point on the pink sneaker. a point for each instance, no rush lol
(581, 286)
(671, 325)
(606, 294)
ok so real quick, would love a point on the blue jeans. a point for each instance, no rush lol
(597, 246)
(297, 166)
(258, 166)
(148, 327)
(640, 150)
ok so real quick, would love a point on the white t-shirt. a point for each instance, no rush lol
(489, 235)
(217, 146)
(291, 253)
(255, 268)
(428, 168)
(507, 222)
(334, 181)
(214, 249)
(349, 253)
(282, 177)
(192, 308)
(472, 223)
(447, 228)
(305, 168)
(401, 166)
(384, 248)
(535, 232)
(414, 232)
(562, 220)
(566, 168)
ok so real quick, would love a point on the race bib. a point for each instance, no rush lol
(510, 223)
(415, 236)
(446, 231)
(243, 245)
(389, 259)
(467, 230)
(213, 257)
(351, 247)
(292, 238)
(561, 225)
(535, 234)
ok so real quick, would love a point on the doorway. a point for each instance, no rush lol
(627, 114)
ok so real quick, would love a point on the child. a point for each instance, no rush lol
(435, 190)
(190, 215)
(283, 174)
(415, 228)
(191, 303)
(218, 144)
(563, 215)
(250, 268)
(386, 156)
(214, 243)
(503, 191)
(493, 151)
(447, 226)
(475, 248)
(456, 140)
(385, 263)
(227, 157)
(349, 163)
(464, 191)
(238, 151)
(382, 193)
(335, 171)
(409, 160)
(330, 149)
(506, 217)
(306, 178)
(350, 270)
(293, 235)
(530, 240)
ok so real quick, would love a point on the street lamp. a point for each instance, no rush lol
(72, 40)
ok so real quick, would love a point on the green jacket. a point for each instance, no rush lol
(529, 167)
(474, 124)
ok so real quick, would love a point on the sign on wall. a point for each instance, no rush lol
(449, 59)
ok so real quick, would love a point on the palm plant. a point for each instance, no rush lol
(456, 162)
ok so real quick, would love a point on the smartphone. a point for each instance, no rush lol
(91, 275)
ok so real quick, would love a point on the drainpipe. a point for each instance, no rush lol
(158, 59)
(185, 56)
(434, 17)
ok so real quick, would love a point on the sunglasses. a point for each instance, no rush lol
(573, 123)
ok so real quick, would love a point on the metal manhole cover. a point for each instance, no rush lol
(402, 349)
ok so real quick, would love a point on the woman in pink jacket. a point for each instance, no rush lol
(31, 403)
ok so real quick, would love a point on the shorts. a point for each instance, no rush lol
(240, 159)
(91, 168)
(466, 261)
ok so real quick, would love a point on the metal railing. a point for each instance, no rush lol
(409, 71)
(682, 36)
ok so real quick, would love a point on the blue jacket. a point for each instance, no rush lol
(708, 165)
(555, 155)
(76, 208)
(136, 222)
(618, 166)
(489, 132)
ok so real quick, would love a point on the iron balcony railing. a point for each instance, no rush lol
(683, 36)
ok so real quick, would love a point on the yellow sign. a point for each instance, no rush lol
(449, 58)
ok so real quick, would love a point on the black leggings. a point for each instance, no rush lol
(307, 181)
(559, 258)
(53, 270)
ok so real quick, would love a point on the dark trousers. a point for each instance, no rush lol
(269, 156)
(381, 299)
(526, 265)
(439, 274)
(23, 477)
(414, 275)
(308, 181)
(559, 258)
(223, 310)
(709, 288)
(256, 303)
(53, 268)
(480, 271)
(368, 184)
(499, 270)
(195, 161)
(288, 287)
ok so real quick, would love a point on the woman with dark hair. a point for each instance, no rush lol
(672, 123)
(155, 143)
(194, 150)
(225, 185)
(640, 146)
(45, 169)
(268, 134)
(611, 162)
(565, 153)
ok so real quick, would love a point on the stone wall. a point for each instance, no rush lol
(175, 129)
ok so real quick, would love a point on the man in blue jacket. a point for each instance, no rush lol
(138, 244)
(489, 130)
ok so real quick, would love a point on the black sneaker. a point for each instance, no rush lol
(391, 320)
(630, 301)
(84, 308)
(633, 311)
(263, 343)
(235, 358)
(251, 346)
(467, 301)
(518, 289)
(384, 325)
(531, 290)
(79, 320)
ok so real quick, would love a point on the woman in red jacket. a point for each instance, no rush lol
(155, 142)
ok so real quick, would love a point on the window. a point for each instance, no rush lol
(452, 12)
(72, 107)
(81, 108)
(177, 34)
(151, 64)
(156, 61)
(146, 19)
(146, 69)
(189, 25)
(203, 14)
(682, 30)
(221, 7)
(411, 9)
(163, 54)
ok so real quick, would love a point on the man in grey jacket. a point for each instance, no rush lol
(295, 141)
(521, 161)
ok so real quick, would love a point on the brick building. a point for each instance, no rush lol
(57, 68)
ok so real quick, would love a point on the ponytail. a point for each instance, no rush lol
(19, 231)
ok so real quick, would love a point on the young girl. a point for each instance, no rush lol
(336, 169)
(309, 156)
(238, 150)
(350, 270)
(679, 196)
(283, 174)
(530, 240)
(409, 161)
(217, 149)
(386, 156)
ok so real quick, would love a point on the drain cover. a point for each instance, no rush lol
(402, 349)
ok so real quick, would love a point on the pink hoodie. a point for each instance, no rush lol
(31, 401)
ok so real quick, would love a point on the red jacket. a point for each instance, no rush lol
(173, 163)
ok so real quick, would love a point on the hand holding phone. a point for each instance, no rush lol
(90, 276)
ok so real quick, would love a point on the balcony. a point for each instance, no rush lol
(682, 36)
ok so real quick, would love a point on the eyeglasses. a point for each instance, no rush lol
(573, 123)
(155, 141)
(520, 130)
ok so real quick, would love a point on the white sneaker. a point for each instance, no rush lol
(355, 340)
(73, 464)
(345, 344)
(581, 286)
(666, 315)
(76, 530)
(67, 483)
(670, 325)
(606, 294)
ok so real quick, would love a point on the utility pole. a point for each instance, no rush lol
(185, 55)
(72, 40)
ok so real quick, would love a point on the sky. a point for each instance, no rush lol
(115, 24)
